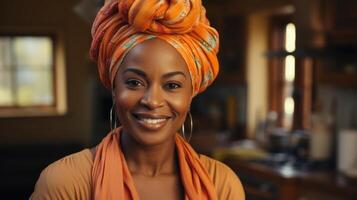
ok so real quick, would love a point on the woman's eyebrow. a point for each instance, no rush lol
(170, 74)
(136, 71)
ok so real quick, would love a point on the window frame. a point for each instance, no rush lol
(276, 72)
(304, 77)
(59, 105)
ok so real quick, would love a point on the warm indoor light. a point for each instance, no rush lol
(289, 68)
(289, 106)
(290, 37)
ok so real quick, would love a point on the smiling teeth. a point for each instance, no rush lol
(153, 121)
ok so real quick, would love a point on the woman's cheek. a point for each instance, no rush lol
(125, 101)
(126, 96)
(180, 103)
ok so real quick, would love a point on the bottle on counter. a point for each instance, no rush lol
(321, 138)
(347, 147)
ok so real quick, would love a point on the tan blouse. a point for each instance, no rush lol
(70, 178)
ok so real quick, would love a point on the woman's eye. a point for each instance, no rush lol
(133, 83)
(173, 86)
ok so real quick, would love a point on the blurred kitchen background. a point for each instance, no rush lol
(282, 113)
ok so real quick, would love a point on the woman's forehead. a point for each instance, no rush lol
(155, 54)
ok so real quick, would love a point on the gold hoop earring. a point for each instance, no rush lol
(113, 124)
(191, 128)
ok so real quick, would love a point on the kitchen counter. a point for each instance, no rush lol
(286, 182)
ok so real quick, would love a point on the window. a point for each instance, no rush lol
(282, 70)
(289, 76)
(28, 76)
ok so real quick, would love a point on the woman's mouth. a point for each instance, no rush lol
(150, 122)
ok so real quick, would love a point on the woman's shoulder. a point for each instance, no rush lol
(69, 178)
(226, 181)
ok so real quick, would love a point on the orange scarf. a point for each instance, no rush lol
(122, 24)
(112, 179)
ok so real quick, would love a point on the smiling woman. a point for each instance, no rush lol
(152, 92)
(154, 57)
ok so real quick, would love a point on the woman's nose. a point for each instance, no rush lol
(153, 98)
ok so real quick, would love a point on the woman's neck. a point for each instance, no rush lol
(149, 161)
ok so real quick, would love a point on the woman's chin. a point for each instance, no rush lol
(151, 138)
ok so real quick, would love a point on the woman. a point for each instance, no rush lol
(154, 56)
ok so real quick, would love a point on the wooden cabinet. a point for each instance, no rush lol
(312, 194)
(339, 63)
(341, 21)
(327, 33)
(337, 66)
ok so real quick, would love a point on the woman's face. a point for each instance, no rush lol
(152, 92)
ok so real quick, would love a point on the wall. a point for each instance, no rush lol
(57, 17)
(257, 68)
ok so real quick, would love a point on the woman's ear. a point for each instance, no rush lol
(189, 104)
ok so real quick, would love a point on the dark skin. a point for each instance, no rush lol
(152, 94)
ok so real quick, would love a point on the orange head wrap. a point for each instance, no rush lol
(122, 24)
